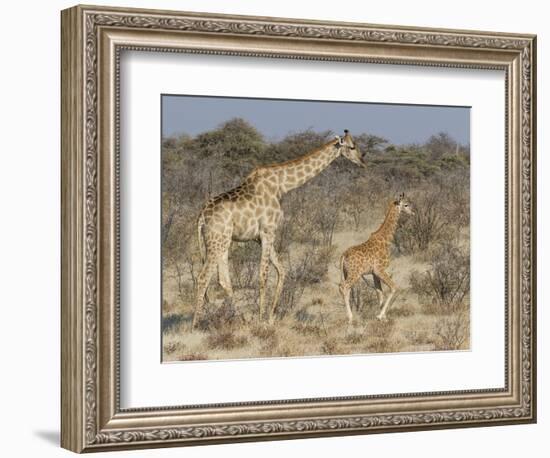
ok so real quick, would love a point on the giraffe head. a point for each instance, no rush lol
(349, 149)
(403, 204)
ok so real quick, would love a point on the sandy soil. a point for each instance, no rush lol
(320, 327)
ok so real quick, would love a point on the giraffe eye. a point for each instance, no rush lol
(352, 147)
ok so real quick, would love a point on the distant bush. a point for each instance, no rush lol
(294, 145)
(446, 285)
(427, 225)
(371, 144)
(442, 144)
(232, 141)
(411, 164)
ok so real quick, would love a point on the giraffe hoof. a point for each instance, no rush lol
(381, 317)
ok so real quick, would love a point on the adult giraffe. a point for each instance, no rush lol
(252, 211)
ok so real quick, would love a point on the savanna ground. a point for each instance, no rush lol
(337, 209)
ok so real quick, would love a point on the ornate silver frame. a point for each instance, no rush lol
(92, 39)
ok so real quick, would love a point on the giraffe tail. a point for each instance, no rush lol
(202, 248)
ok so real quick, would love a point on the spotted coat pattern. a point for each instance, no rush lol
(252, 212)
(373, 258)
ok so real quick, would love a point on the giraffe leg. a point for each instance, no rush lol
(208, 269)
(223, 276)
(378, 288)
(345, 290)
(281, 272)
(349, 278)
(217, 246)
(267, 247)
(355, 298)
(389, 282)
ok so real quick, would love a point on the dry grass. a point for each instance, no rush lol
(452, 332)
(225, 340)
(193, 357)
(264, 333)
(331, 346)
(355, 337)
(318, 326)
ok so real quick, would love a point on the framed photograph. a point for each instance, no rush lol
(278, 228)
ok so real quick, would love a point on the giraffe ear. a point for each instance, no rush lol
(340, 140)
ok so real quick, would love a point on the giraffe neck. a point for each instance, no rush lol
(293, 174)
(388, 227)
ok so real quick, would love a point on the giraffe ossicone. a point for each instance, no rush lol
(373, 258)
(252, 211)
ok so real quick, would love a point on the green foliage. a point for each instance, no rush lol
(295, 145)
(371, 144)
(440, 144)
(234, 142)
(414, 163)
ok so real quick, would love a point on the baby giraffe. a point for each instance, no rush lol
(373, 257)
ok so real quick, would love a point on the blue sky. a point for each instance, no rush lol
(275, 119)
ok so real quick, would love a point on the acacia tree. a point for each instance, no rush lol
(441, 144)
(371, 144)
